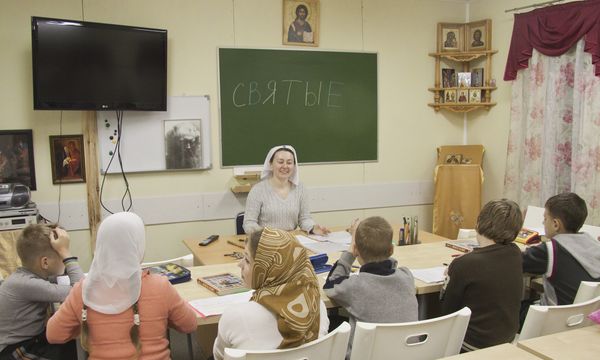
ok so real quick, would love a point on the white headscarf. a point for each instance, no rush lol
(294, 177)
(115, 278)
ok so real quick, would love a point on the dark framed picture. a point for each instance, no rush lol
(450, 96)
(16, 157)
(479, 35)
(448, 78)
(183, 144)
(450, 37)
(463, 95)
(67, 158)
(301, 22)
(477, 77)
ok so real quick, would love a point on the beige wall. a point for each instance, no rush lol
(403, 32)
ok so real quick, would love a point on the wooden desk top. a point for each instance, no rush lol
(582, 343)
(498, 352)
(411, 256)
(214, 253)
(191, 290)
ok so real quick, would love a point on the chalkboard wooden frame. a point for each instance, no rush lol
(324, 103)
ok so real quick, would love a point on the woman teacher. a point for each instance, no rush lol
(279, 200)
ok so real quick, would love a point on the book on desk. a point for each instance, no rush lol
(465, 245)
(174, 272)
(223, 284)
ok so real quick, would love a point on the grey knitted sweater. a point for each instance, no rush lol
(24, 300)
(265, 208)
(380, 293)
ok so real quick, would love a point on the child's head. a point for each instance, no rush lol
(564, 213)
(373, 239)
(500, 221)
(36, 252)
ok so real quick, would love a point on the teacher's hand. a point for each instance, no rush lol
(320, 230)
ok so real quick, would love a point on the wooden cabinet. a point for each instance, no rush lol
(465, 62)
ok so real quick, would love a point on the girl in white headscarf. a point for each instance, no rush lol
(279, 200)
(118, 301)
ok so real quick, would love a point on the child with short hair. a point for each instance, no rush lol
(489, 280)
(570, 257)
(26, 294)
(382, 292)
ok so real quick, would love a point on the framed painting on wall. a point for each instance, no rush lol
(450, 37)
(67, 158)
(301, 22)
(16, 157)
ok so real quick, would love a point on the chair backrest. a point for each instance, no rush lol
(239, 222)
(185, 261)
(545, 320)
(588, 290)
(332, 346)
(427, 339)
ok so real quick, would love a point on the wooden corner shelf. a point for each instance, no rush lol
(461, 108)
(464, 60)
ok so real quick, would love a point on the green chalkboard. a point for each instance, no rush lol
(322, 103)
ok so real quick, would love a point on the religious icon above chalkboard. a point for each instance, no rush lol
(301, 22)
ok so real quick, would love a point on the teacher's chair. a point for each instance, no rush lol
(239, 224)
(331, 346)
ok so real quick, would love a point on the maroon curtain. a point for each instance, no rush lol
(553, 31)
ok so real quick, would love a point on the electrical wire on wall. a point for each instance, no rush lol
(117, 152)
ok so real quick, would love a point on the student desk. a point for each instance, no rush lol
(215, 253)
(582, 343)
(411, 256)
(498, 352)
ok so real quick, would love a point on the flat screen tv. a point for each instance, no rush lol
(79, 65)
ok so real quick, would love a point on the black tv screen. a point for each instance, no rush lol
(80, 65)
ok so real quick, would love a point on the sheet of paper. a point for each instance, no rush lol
(216, 305)
(303, 240)
(319, 247)
(327, 247)
(534, 219)
(430, 275)
(338, 237)
(594, 231)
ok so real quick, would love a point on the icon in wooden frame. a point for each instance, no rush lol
(450, 37)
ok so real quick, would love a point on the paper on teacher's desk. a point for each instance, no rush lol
(321, 247)
(216, 305)
(338, 237)
(430, 275)
(303, 240)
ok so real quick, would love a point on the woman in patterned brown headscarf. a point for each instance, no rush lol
(285, 310)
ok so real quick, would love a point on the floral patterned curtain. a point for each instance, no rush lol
(554, 141)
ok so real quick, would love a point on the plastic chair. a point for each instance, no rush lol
(427, 339)
(239, 224)
(545, 320)
(588, 290)
(185, 261)
(332, 347)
